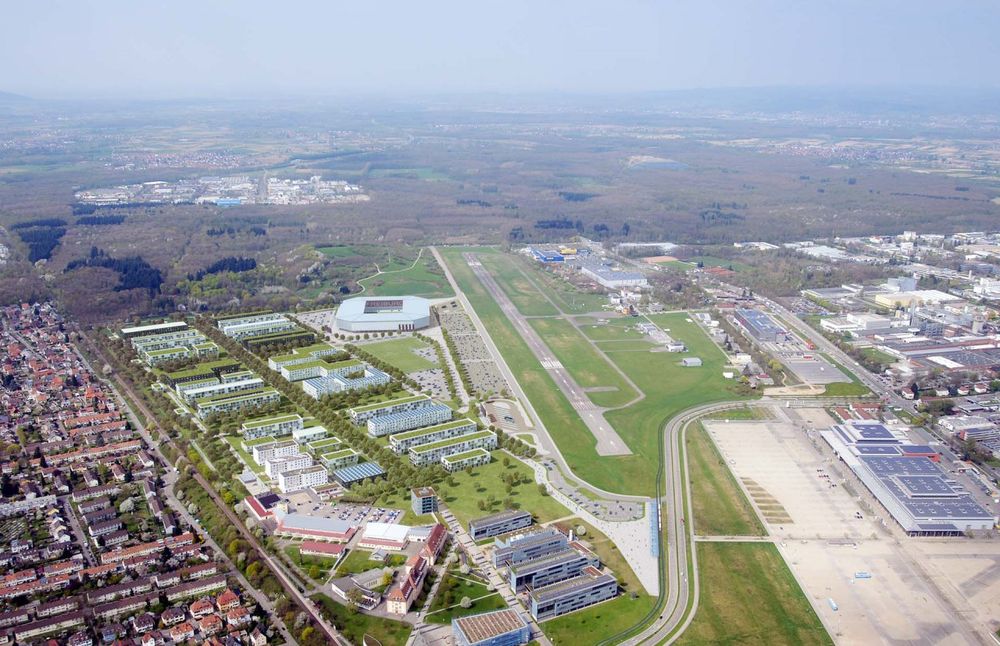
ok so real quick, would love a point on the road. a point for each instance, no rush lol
(286, 583)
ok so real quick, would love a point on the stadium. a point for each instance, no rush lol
(390, 314)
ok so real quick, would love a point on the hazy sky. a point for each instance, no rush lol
(188, 48)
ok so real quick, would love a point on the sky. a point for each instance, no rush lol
(250, 48)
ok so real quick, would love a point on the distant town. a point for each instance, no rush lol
(227, 191)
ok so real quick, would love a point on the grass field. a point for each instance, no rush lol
(400, 353)
(668, 387)
(587, 366)
(616, 329)
(337, 251)
(356, 625)
(748, 596)
(718, 504)
(424, 278)
(463, 498)
(593, 624)
(235, 441)
(522, 292)
(854, 388)
(877, 355)
(712, 261)
(443, 609)
(566, 296)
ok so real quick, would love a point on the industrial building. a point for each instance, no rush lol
(498, 628)
(313, 528)
(500, 523)
(915, 491)
(401, 314)
(760, 325)
(611, 278)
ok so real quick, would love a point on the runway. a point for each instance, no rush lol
(608, 440)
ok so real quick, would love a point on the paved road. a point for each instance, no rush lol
(608, 440)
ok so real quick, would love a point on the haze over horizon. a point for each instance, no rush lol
(183, 49)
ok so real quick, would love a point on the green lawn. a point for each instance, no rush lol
(713, 261)
(463, 498)
(357, 561)
(748, 596)
(587, 366)
(877, 355)
(447, 603)
(616, 329)
(424, 278)
(355, 626)
(567, 297)
(400, 353)
(719, 506)
(626, 345)
(236, 442)
(337, 251)
(676, 264)
(526, 297)
(668, 387)
(593, 624)
(306, 563)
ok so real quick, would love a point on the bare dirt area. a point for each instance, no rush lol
(867, 587)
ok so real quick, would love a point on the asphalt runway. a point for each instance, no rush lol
(608, 440)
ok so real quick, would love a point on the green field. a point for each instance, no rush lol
(447, 604)
(668, 387)
(306, 564)
(337, 251)
(236, 442)
(567, 297)
(749, 596)
(616, 329)
(423, 278)
(854, 388)
(598, 622)
(519, 289)
(627, 345)
(712, 261)
(587, 366)
(463, 498)
(400, 353)
(718, 504)
(358, 560)
(356, 625)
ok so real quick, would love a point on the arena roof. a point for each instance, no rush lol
(387, 309)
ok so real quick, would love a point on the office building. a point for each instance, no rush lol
(497, 524)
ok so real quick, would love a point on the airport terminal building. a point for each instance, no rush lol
(387, 314)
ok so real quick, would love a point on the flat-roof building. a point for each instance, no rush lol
(314, 528)
(358, 473)
(519, 547)
(550, 568)
(760, 326)
(915, 491)
(589, 588)
(408, 420)
(275, 426)
(498, 628)
(402, 442)
(425, 454)
(499, 523)
(423, 500)
(460, 461)
(361, 414)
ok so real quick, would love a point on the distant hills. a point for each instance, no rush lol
(10, 97)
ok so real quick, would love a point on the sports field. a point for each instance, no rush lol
(719, 506)
(749, 596)
(668, 387)
(400, 353)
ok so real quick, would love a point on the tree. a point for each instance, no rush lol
(354, 599)
(466, 602)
